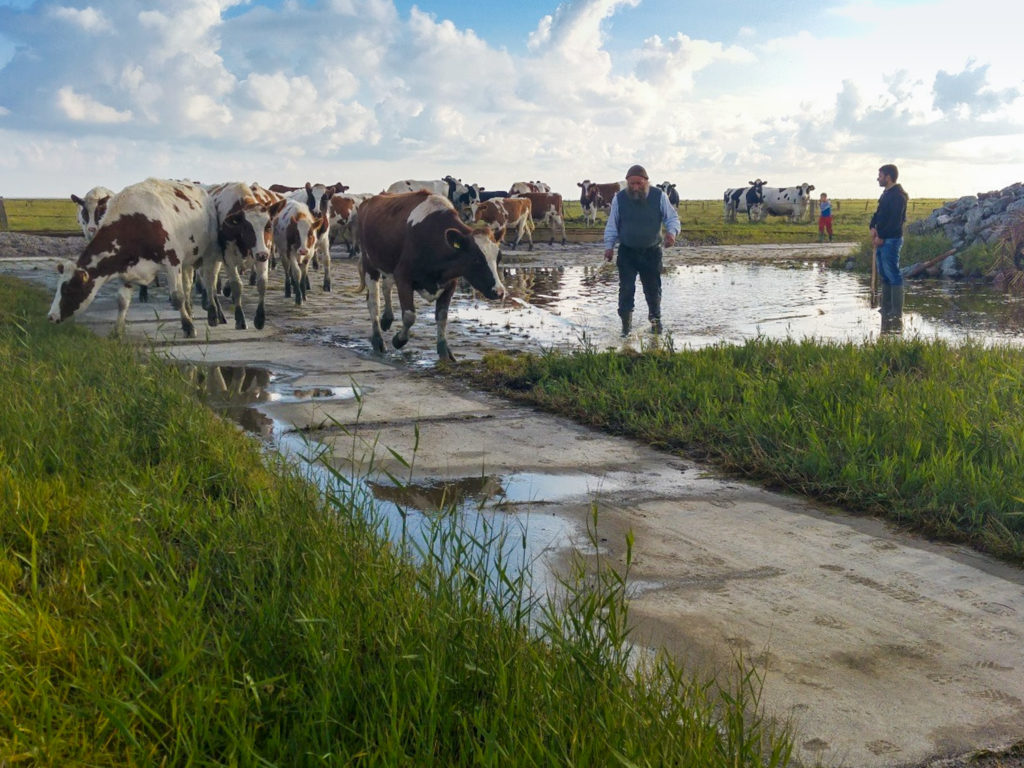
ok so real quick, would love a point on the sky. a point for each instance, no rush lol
(707, 95)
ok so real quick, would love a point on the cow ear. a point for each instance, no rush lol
(78, 200)
(453, 238)
(275, 209)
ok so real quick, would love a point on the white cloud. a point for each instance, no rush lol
(84, 109)
(89, 19)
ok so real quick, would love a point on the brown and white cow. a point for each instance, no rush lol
(342, 216)
(150, 226)
(546, 207)
(596, 197)
(91, 209)
(317, 198)
(508, 213)
(418, 242)
(245, 235)
(296, 234)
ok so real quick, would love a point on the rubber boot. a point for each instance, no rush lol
(896, 307)
(830, 237)
(627, 322)
(821, 237)
(655, 325)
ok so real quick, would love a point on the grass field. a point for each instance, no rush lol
(702, 220)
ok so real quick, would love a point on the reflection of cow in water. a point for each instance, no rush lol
(539, 286)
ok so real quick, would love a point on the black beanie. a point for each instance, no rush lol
(636, 170)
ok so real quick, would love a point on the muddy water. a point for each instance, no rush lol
(706, 304)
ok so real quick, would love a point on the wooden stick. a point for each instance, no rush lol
(874, 276)
(921, 266)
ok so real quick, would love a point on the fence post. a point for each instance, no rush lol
(3, 216)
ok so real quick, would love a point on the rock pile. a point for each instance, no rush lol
(980, 218)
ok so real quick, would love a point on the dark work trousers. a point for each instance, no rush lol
(645, 262)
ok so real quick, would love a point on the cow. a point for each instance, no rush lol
(793, 202)
(150, 226)
(670, 192)
(91, 209)
(297, 233)
(546, 207)
(597, 197)
(418, 242)
(744, 200)
(342, 215)
(317, 198)
(465, 197)
(485, 196)
(245, 236)
(521, 187)
(510, 213)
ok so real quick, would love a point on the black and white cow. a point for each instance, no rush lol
(245, 235)
(148, 227)
(744, 200)
(793, 202)
(418, 242)
(670, 192)
(465, 197)
(91, 209)
(596, 197)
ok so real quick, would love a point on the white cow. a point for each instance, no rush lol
(746, 200)
(317, 198)
(148, 227)
(787, 201)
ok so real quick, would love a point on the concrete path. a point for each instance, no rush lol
(882, 649)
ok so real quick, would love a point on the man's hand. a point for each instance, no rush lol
(670, 239)
(608, 254)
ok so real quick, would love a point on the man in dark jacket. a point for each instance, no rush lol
(887, 238)
(635, 221)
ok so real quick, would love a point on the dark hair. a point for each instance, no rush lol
(890, 170)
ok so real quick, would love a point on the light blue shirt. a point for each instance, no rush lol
(669, 218)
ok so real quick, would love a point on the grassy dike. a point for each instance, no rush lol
(927, 435)
(172, 595)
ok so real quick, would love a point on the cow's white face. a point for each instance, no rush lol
(490, 249)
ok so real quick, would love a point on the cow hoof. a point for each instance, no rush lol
(239, 319)
(327, 286)
(378, 344)
(211, 316)
(252, 278)
(188, 329)
(261, 317)
(386, 320)
(144, 293)
(399, 340)
(443, 353)
(226, 290)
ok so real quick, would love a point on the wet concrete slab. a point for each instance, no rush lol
(882, 649)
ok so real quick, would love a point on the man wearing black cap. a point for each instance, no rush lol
(635, 221)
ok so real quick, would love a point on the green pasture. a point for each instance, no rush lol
(702, 220)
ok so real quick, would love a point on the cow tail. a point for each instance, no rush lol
(362, 277)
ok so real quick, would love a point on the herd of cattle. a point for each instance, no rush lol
(416, 236)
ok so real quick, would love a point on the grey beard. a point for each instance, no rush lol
(636, 194)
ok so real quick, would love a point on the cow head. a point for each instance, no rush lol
(585, 187)
(251, 229)
(318, 198)
(475, 255)
(91, 209)
(76, 288)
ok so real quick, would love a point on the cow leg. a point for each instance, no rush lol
(405, 302)
(388, 317)
(373, 305)
(561, 225)
(260, 270)
(324, 244)
(286, 264)
(295, 274)
(144, 293)
(211, 277)
(188, 328)
(124, 299)
(235, 286)
(441, 319)
(175, 284)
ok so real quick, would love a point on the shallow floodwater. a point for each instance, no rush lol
(707, 304)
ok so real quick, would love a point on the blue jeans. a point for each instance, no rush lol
(887, 258)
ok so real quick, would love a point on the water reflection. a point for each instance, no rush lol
(706, 304)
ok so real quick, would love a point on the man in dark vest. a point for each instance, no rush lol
(635, 220)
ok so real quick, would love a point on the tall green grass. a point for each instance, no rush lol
(925, 434)
(171, 595)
